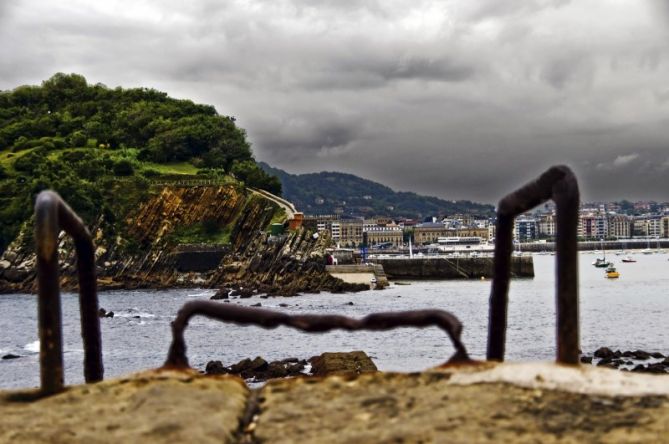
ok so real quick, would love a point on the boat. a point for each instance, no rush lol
(628, 259)
(601, 263)
(612, 273)
(647, 250)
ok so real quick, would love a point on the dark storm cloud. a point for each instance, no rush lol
(303, 137)
(458, 99)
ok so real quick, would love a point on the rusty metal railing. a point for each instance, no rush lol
(309, 323)
(51, 215)
(557, 183)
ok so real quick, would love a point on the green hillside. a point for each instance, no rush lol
(329, 192)
(99, 147)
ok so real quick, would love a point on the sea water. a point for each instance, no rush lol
(628, 313)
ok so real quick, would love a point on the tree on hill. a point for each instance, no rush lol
(75, 137)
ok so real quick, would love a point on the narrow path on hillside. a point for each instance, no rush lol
(288, 207)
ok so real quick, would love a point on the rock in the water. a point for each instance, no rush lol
(641, 355)
(655, 368)
(245, 293)
(215, 368)
(11, 356)
(256, 305)
(259, 370)
(586, 359)
(355, 362)
(221, 294)
(604, 352)
(102, 313)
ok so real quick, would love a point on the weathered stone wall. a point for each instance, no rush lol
(482, 403)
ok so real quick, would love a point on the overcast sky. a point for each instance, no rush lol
(458, 99)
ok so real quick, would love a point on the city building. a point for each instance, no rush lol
(525, 228)
(546, 227)
(350, 233)
(391, 236)
(429, 232)
(593, 226)
(620, 226)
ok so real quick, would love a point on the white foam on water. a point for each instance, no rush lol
(203, 294)
(133, 314)
(32, 347)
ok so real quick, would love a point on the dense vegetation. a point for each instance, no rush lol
(98, 147)
(328, 192)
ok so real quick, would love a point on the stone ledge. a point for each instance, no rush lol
(154, 406)
(464, 405)
(514, 402)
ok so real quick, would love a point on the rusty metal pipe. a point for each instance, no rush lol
(560, 184)
(309, 323)
(51, 215)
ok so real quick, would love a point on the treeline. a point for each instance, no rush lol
(330, 192)
(74, 137)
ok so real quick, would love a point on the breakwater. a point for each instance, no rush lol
(451, 267)
(628, 244)
(359, 274)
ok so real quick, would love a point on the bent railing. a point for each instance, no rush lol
(557, 183)
(51, 215)
(176, 356)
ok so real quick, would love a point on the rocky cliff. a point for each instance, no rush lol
(147, 247)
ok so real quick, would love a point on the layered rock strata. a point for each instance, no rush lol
(144, 251)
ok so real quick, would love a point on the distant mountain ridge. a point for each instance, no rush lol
(331, 192)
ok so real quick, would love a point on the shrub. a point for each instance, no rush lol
(78, 139)
(123, 168)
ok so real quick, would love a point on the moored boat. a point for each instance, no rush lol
(628, 259)
(612, 273)
(601, 263)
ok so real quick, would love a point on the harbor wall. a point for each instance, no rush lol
(451, 268)
(359, 274)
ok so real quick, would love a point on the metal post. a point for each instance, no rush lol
(52, 214)
(558, 183)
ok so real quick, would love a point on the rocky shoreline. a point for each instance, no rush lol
(146, 254)
(259, 370)
(638, 361)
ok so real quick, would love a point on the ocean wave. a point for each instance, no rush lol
(32, 347)
(133, 313)
(203, 294)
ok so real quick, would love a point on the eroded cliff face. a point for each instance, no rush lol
(142, 250)
(283, 265)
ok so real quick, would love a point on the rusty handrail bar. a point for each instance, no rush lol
(240, 315)
(557, 183)
(51, 215)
